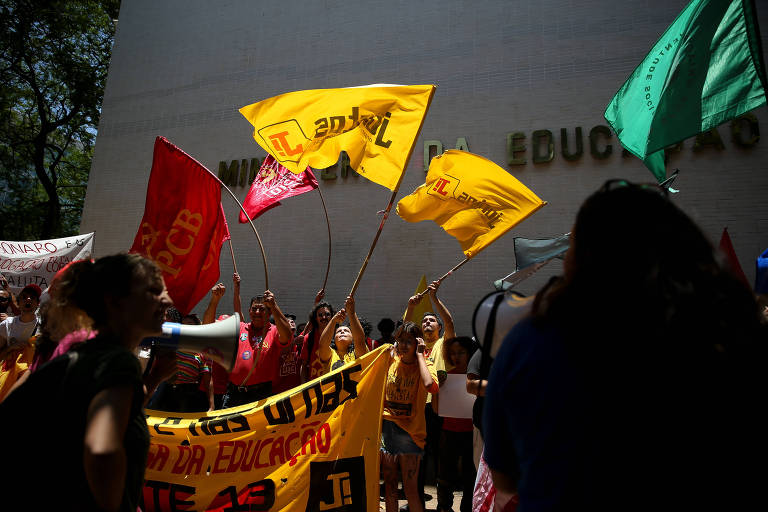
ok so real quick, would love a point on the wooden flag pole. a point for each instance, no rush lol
(328, 223)
(232, 253)
(421, 294)
(391, 199)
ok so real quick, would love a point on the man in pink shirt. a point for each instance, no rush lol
(258, 351)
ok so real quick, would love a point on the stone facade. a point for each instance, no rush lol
(182, 69)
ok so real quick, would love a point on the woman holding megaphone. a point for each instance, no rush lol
(90, 400)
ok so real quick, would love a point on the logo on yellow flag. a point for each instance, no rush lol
(376, 126)
(444, 187)
(471, 198)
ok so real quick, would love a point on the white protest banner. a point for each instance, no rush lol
(36, 262)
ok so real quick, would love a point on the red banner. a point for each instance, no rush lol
(183, 226)
(273, 183)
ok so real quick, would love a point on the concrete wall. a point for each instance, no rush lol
(182, 69)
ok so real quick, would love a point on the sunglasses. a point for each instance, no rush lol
(324, 315)
(5, 299)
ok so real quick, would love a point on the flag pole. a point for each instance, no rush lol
(258, 238)
(328, 223)
(421, 294)
(392, 198)
(232, 253)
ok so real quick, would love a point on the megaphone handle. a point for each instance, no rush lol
(151, 360)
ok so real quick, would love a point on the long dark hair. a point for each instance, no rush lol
(315, 309)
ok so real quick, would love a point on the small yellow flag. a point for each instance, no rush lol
(424, 305)
(471, 198)
(376, 125)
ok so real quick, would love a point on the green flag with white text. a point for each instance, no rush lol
(705, 69)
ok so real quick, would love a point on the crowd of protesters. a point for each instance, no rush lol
(635, 374)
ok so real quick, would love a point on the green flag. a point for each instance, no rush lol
(705, 69)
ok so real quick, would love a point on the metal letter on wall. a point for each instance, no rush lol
(243, 172)
(594, 133)
(461, 144)
(708, 138)
(428, 145)
(255, 165)
(345, 167)
(513, 147)
(750, 120)
(564, 144)
(228, 175)
(549, 142)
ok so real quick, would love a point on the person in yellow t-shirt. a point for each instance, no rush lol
(431, 325)
(404, 431)
(344, 338)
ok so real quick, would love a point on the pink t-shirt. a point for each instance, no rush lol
(252, 348)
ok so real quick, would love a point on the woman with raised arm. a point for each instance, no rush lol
(348, 341)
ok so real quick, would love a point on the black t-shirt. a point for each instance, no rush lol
(53, 404)
(474, 367)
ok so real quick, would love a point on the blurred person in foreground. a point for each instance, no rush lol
(95, 411)
(634, 384)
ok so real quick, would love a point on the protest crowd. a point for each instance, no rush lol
(632, 380)
(660, 365)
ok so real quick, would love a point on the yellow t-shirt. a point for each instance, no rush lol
(405, 396)
(435, 355)
(336, 361)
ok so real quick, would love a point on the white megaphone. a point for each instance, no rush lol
(495, 316)
(217, 341)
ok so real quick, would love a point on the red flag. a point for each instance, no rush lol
(273, 183)
(726, 247)
(183, 226)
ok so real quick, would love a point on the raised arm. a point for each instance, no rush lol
(358, 334)
(327, 335)
(412, 302)
(217, 292)
(426, 376)
(281, 322)
(236, 290)
(448, 330)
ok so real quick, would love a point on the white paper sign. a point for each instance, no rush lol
(36, 262)
(454, 401)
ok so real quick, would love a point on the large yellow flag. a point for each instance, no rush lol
(471, 198)
(376, 125)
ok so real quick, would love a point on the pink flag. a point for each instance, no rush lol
(273, 183)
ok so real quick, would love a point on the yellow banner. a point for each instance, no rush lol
(471, 198)
(312, 448)
(376, 125)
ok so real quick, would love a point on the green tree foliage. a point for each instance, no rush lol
(54, 56)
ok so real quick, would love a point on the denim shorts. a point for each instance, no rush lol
(396, 441)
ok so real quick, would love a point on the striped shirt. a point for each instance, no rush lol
(190, 367)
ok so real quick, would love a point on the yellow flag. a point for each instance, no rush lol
(376, 125)
(424, 305)
(471, 198)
